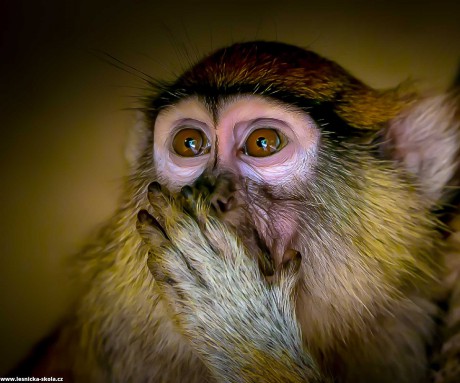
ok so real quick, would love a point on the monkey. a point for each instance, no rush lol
(283, 222)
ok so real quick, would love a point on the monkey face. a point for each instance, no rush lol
(297, 154)
(291, 131)
(256, 111)
(260, 143)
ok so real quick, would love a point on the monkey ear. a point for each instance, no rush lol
(425, 140)
(138, 139)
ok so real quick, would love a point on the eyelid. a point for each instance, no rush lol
(189, 123)
(243, 129)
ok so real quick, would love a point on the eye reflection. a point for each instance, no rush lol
(262, 143)
(190, 142)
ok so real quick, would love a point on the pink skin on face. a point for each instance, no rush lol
(236, 119)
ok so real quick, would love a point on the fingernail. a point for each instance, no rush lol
(154, 187)
(143, 216)
(187, 191)
(291, 255)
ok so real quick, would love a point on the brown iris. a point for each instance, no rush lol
(262, 143)
(190, 143)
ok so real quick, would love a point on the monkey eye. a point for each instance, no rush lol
(190, 142)
(262, 142)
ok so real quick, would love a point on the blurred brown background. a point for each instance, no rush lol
(64, 127)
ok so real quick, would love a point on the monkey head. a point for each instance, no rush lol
(346, 175)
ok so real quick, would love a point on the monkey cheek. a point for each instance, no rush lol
(174, 175)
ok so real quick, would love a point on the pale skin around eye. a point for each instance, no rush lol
(236, 119)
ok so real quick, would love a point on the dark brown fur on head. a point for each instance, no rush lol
(291, 74)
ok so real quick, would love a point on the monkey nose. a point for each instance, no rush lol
(222, 204)
(221, 191)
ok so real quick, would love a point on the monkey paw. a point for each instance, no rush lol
(219, 299)
(192, 252)
(213, 286)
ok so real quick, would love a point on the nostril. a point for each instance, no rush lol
(223, 205)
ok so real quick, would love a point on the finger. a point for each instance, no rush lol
(189, 197)
(205, 185)
(170, 219)
(265, 263)
(195, 205)
(155, 268)
(169, 288)
(150, 229)
(159, 200)
(291, 258)
(173, 274)
(289, 268)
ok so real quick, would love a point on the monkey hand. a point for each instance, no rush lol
(242, 327)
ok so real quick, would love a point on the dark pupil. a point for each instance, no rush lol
(262, 142)
(190, 143)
